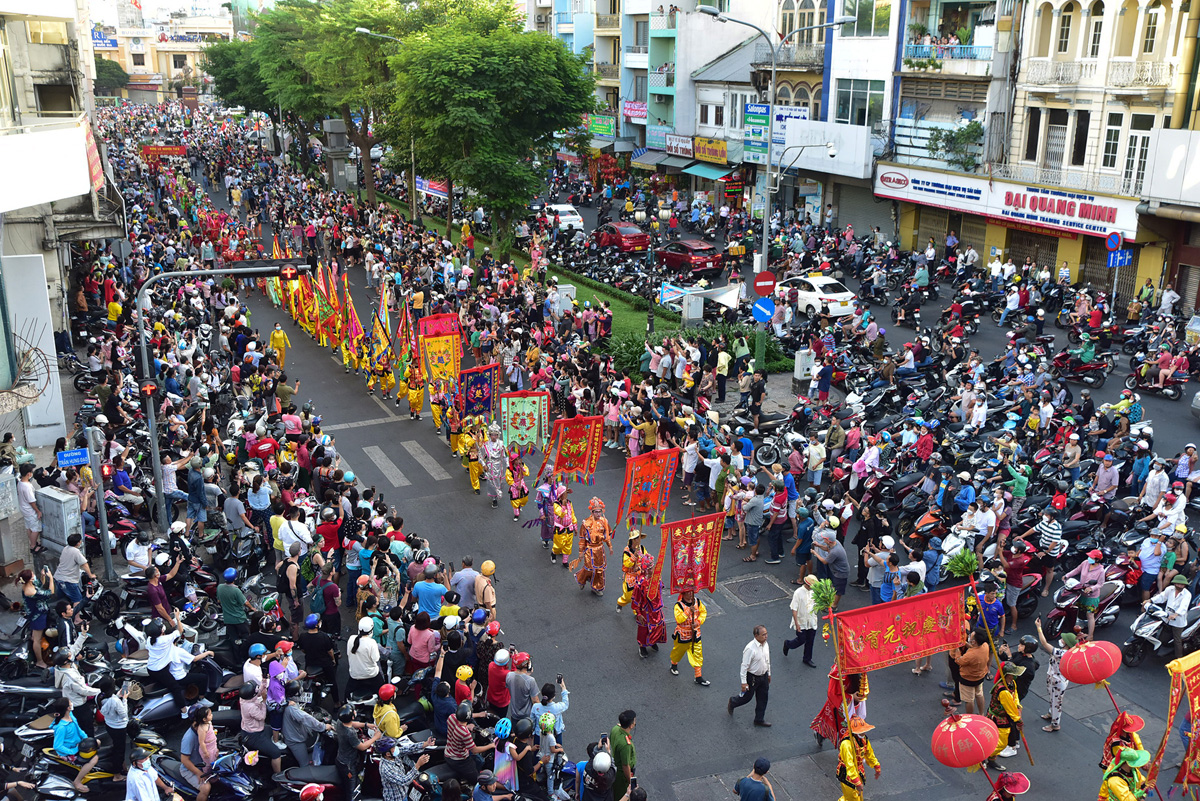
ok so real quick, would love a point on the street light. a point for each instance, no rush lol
(760, 341)
(369, 32)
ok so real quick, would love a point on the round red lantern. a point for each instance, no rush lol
(1091, 662)
(961, 741)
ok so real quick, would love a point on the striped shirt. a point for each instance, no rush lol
(1050, 537)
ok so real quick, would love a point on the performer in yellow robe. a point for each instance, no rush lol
(690, 614)
(1004, 709)
(565, 526)
(854, 755)
(518, 490)
(416, 393)
(381, 371)
(631, 558)
(348, 358)
(1121, 735)
(455, 427)
(280, 342)
(437, 405)
(595, 534)
(474, 464)
(1123, 781)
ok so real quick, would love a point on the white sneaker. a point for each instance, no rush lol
(1008, 752)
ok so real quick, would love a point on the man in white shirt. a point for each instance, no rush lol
(995, 269)
(292, 530)
(754, 674)
(142, 782)
(804, 620)
(1176, 599)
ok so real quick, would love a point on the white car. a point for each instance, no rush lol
(818, 294)
(568, 217)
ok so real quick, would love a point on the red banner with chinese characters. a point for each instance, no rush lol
(579, 441)
(152, 153)
(879, 636)
(648, 486)
(1184, 673)
(695, 551)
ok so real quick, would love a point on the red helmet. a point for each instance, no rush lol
(387, 692)
(312, 792)
(522, 659)
(1169, 497)
(493, 628)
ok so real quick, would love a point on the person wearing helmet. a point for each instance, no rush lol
(256, 734)
(430, 591)
(385, 715)
(1155, 484)
(137, 553)
(142, 783)
(234, 608)
(1084, 354)
(393, 777)
(319, 651)
(498, 696)
(522, 687)
(464, 684)
(350, 749)
(299, 727)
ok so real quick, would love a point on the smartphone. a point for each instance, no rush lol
(125, 688)
(559, 678)
(633, 782)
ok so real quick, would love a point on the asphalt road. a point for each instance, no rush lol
(688, 748)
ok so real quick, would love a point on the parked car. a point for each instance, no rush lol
(1196, 406)
(818, 294)
(568, 217)
(691, 259)
(627, 238)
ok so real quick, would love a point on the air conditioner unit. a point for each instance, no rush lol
(541, 19)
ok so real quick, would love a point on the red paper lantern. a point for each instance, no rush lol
(1090, 662)
(961, 741)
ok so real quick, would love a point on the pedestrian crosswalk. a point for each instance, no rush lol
(387, 466)
(392, 472)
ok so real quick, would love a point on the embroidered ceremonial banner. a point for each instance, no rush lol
(577, 447)
(695, 551)
(525, 420)
(403, 343)
(648, 486)
(878, 636)
(1185, 671)
(478, 390)
(440, 347)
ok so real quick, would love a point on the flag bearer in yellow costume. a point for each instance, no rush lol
(280, 342)
(471, 456)
(1004, 709)
(381, 371)
(854, 755)
(1123, 781)
(438, 405)
(351, 348)
(565, 526)
(690, 614)
(631, 558)
(455, 427)
(518, 490)
(416, 393)
(402, 386)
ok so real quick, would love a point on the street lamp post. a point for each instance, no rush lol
(760, 341)
(412, 143)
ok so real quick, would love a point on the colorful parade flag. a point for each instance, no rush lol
(1185, 676)
(440, 347)
(695, 551)
(647, 488)
(479, 391)
(403, 343)
(902, 630)
(576, 444)
(354, 330)
(525, 420)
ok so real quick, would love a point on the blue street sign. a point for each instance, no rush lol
(1114, 240)
(1120, 258)
(764, 309)
(75, 458)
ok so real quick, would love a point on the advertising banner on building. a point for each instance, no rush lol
(755, 144)
(656, 136)
(1008, 202)
(600, 125)
(102, 42)
(679, 145)
(711, 150)
(634, 110)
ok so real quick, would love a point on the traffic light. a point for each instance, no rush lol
(148, 388)
(106, 471)
(286, 269)
(288, 272)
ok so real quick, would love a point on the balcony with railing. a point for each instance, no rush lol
(608, 72)
(810, 57)
(1081, 180)
(661, 81)
(1137, 75)
(663, 23)
(636, 57)
(608, 22)
(1044, 72)
(971, 60)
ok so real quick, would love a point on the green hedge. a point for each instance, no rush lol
(636, 301)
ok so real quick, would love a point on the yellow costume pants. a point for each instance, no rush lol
(1002, 743)
(476, 470)
(416, 399)
(454, 442)
(626, 594)
(386, 381)
(401, 388)
(518, 503)
(694, 651)
(348, 358)
(564, 540)
(282, 351)
(437, 416)
(851, 794)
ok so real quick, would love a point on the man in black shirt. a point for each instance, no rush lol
(758, 391)
(350, 749)
(319, 653)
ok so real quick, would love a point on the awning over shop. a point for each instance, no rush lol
(650, 159)
(677, 162)
(623, 146)
(710, 171)
(601, 144)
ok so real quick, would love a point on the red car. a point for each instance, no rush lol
(691, 258)
(625, 236)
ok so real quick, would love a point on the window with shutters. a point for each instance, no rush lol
(639, 88)
(1079, 146)
(1033, 132)
(1112, 141)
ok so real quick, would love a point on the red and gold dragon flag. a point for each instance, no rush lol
(647, 488)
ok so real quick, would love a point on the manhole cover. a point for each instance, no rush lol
(756, 589)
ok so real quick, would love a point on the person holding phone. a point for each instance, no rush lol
(114, 706)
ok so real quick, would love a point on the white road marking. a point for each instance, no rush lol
(358, 424)
(425, 460)
(384, 406)
(386, 466)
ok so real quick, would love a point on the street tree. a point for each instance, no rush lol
(109, 75)
(480, 104)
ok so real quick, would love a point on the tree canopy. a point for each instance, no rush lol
(109, 74)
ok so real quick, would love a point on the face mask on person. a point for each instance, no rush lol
(1091, 561)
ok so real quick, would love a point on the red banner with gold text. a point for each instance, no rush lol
(885, 634)
(695, 550)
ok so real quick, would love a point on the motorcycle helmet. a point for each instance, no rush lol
(602, 762)
(387, 692)
(312, 792)
(328, 514)
(502, 657)
(488, 568)
(257, 650)
(493, 628)
(346, 713)
(292, 689)
(503, 728)
(143, 538)
(802, 513)
(1029, 641)
(523, 728)
(522, 660)
(88, 747)
(248, 690)
(138, 754)
(178, 527)
(833, 521)
(740, 430)
(230, 573)
(154, 629)
(463, 713)
(479, 615)
(546, 722)
(312, 621)
(464, 673)
(384, 746)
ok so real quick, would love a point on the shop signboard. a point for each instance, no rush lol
(679, 145)
(634, 110)
(710, 150)
(102, 42)
(1059, 210)
(656, 136)
(755, 144)
(602, 126)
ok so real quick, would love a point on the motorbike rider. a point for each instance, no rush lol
(1084, 354)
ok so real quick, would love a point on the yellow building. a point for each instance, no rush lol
(158, 54)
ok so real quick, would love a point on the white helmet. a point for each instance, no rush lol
(602, 762)
(251, 346)
(260, 430)
(178, 527)
(161, 560)
(101, 420)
